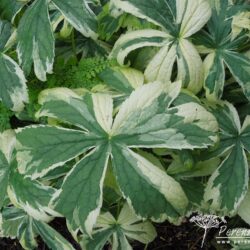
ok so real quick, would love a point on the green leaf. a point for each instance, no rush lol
(12, 219)
(9, 9)
(127, 225)
(36, 40)
(227, 186)
(70, 108)
(4, 177)
(51, 237)
(12, 83)
(223, 46)
(43, 148)
(214, 76)
(244, 207)
(116, 79)
(80, 197)
(239, 66)
(5, 33)
(79, 15)
(160, 13)
(32, 196)
(178, 20)
(245, 134)
(135, 40)
(162, 196)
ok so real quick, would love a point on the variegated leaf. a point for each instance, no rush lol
(228, 185)
(94, 114)
(162, 197)
(43, 148)
(138, 39)
(123, 80)
(79, 15)
(127, 226)
(179, 20)
(32, 196)
(245, 134)
(244, 208)
(51, 237)
(4, 177)
(80, 198)
(223, 47)
(36, 40)
(239, 66)
(13, 92)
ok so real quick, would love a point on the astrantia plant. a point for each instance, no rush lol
(102, 139)
(119, 115)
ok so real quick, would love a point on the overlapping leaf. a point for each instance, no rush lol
(223, 46)
(228, 185)
(126, 225)
(144, 120)
(178, 21)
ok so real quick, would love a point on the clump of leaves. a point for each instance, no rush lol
(82, 74)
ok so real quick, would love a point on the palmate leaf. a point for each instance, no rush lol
(144, 120)
(228, 184)
(178, 21)
(126, 225)
(15, 223)
(223, 47)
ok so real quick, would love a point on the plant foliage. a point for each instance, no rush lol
(86, 136)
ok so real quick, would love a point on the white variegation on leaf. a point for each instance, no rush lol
(79, 15)
(228, 184)
(244, 208)
(14, 93)
(178, 23)
(128, 226)
(222, 42)
(100, 139)
(36, 40)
